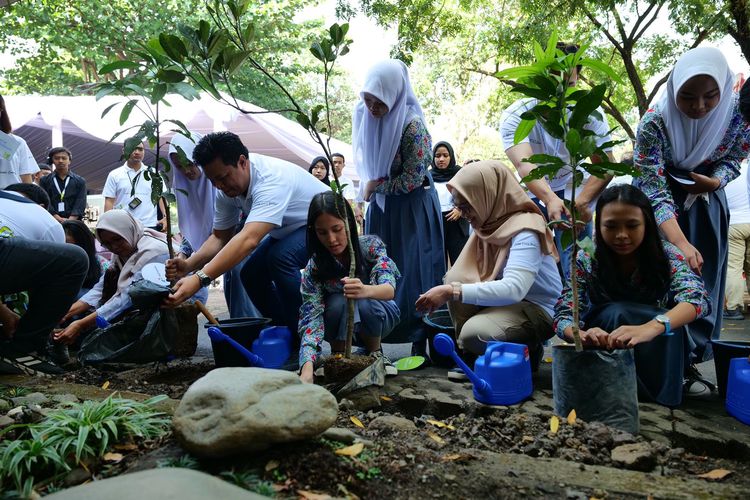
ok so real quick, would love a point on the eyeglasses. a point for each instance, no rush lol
(567, 48)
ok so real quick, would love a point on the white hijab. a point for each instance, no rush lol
(693, 141)
(196, 208)
(376, 140)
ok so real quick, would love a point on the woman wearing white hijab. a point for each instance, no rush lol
(688, 148)
(133, 247)
(393, 152)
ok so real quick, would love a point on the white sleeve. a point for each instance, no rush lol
(26, 162)
(55, 233)
(110, 186)
(520, 272)
(511, 119)
(226, 212)
(270, 201)
(93, 296)
(600, 128)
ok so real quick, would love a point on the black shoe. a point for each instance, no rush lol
(17, 362)
(695, 384)
(734, 314)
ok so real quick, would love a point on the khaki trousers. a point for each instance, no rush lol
(522, 323)
(739, 261)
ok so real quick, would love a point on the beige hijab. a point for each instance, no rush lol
(503, 209)
(147, 242)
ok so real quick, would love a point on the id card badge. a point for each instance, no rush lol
(61, 207)
(134, 203)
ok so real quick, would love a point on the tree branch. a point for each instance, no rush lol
(637, 36)
(601, 28)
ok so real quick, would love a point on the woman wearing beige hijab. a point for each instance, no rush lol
(505, 282)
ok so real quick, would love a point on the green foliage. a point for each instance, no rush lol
(72, 435)
(13, 391)
(250, 481)
(183, 461)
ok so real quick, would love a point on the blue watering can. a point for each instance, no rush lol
(218, 336)
(738, 390)
(274, 345)
(503, 373)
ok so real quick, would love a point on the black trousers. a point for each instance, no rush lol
(455, 234)
(51, 273)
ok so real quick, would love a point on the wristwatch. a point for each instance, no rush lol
(664, 320)
(205, 280)
(456, 290)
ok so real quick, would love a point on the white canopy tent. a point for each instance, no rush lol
(76, 123)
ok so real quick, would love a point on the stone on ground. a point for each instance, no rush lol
(635, 456)
(236, 410)
(33, 398)
(165, 484)
(392, 423)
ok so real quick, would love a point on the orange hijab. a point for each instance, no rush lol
(503, 209)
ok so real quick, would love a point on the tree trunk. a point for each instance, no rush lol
(739, 11)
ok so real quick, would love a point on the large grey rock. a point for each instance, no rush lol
(236, 410)
(33, 398)
(636, 456)
(391, 423)
(164, 484)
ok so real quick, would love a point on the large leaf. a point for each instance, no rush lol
(170, 75)
(117, 65)
(541, 158)
(586, 105)
(540, 94)
(573, 142)
(125, 113)
(523, 130)
(173, 46)
(601, 67)
(541, 171)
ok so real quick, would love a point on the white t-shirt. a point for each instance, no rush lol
(119, 185)
(280, 193)
(525, 254)
(22, 162)
(445, 197)
(27, 220)
(542, 142)
(350, 193)
(737, 198)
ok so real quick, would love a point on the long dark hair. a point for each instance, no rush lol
(325, 162)
(653, 265)
(329, 203)
(84, 238)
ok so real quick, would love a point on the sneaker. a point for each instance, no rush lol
(734, 314)
(17, 362)
(457, 375)
(695, 384)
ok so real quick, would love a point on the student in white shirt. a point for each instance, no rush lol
(126, 188)
(505, 282)
(276, 196)
(20, 166)
(550, 193)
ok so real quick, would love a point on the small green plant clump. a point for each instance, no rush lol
(251, 481)
(74, 435)
(182, 462)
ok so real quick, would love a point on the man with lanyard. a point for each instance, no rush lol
(66, 190)
(34, 258)
(276, 196)
(549, 194)
(126, 188)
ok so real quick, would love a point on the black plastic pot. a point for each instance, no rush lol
(724, 351)
(244, 331)
(439, 322)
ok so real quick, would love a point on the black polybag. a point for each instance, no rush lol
(144, 334)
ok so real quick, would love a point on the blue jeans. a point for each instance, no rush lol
(272, 277)
(372, 318)
(565, 253)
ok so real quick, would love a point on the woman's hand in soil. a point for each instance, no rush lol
(306, 374)
(453, 215)
(703, 184)
(595, 337)
(692, 255)
(433, 298)
(355, 289)
(69, 334)
(629, 336)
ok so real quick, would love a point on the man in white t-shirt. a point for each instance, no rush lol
(275, 195)
(34, 258)
(17, 164)
(739, 245)
(349, 192)
(126, 188)
(550, 193)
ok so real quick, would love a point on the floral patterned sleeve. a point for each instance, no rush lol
(685, 285)
(415, 154)
(564, 307)
(649, 158)
(734, 151)
(311, 326)
(384, 270)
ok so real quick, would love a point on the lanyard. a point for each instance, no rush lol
(134, 180)
(65, 186)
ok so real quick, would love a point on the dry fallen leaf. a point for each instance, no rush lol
(527, 439)
(572, 417)
(113, 457)
(434, 437)
(309, 495)
(440, 424)
(554, 424)
(351, 451)
(715, 475)
(357, 422)
(126, 447)
(271, 465)
(385, 398)
(456, 457)
(105, 385)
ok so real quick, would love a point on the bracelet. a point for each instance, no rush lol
(456, 291)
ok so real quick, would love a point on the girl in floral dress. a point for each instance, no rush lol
(326, 286)
(688, 148)
(636, 290)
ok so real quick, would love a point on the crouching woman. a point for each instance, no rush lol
(505, 282)
(636, 291)
(326, 285)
